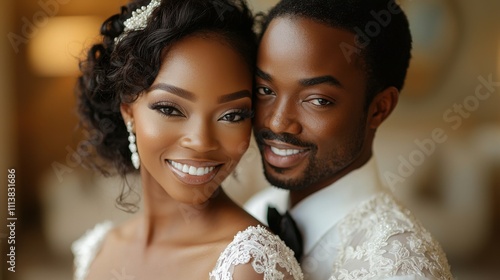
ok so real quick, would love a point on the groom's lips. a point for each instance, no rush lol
(283, 155)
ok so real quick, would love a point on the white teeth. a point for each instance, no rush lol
(191, 170)
(284, 152)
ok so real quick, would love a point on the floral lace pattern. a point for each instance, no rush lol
(382, 239)
(267, 253)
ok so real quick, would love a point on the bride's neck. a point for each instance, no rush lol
(165, 219)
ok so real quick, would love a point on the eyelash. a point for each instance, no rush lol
(328, 102)
(163, 106)
(243, 114)
(267, 91)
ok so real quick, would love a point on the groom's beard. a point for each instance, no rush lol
(320, 168)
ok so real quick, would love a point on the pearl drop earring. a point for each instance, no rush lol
(132, 146)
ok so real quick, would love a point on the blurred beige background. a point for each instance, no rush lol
(453, 185)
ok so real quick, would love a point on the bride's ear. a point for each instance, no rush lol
(126, 111)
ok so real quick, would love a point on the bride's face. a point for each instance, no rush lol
(193, 124)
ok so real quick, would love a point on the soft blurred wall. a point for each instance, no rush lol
(38, 125)
(8, 126)
(7, 110)
(451, 183)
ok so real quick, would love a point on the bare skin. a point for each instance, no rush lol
(196, 113)
(181, 251)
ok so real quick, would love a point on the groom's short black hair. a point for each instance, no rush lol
(382, 29)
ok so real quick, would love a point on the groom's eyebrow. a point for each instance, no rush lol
(327, 79)
(263, 75)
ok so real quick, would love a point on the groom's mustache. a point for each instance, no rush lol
(266, 134)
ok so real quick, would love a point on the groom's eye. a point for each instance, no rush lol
(320, 102)
(264, 91)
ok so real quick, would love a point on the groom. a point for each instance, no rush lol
(329, 73)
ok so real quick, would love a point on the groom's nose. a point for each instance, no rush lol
(283, 116)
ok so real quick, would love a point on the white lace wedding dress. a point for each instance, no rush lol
(267, 253)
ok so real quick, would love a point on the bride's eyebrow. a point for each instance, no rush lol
(174, 90)
(192, 97)
(234, 96)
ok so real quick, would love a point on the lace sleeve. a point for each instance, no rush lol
(267, 254)
(402, 256)
(85, 249)
(383, 240)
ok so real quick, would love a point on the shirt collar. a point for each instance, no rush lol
(334, 202)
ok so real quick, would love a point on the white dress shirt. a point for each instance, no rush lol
(355, 229)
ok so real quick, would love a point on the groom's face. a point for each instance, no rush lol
(310, 121)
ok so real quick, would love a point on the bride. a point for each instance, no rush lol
(174, 77)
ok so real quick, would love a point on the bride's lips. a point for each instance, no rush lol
(283, 155)
(192, 172)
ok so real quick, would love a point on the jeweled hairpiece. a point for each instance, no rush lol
(139, 19)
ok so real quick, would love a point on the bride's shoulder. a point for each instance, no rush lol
(259, 235)
(86, 247)
(264, 251)
(92, 236)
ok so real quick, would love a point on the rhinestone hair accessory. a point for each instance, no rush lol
(139, 19)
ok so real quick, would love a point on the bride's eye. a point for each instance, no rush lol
(167, 109)
(237, 116)
(170, 111)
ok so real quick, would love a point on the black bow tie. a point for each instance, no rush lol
(284, 226)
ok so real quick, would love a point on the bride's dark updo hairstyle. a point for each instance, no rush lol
(117, 71)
